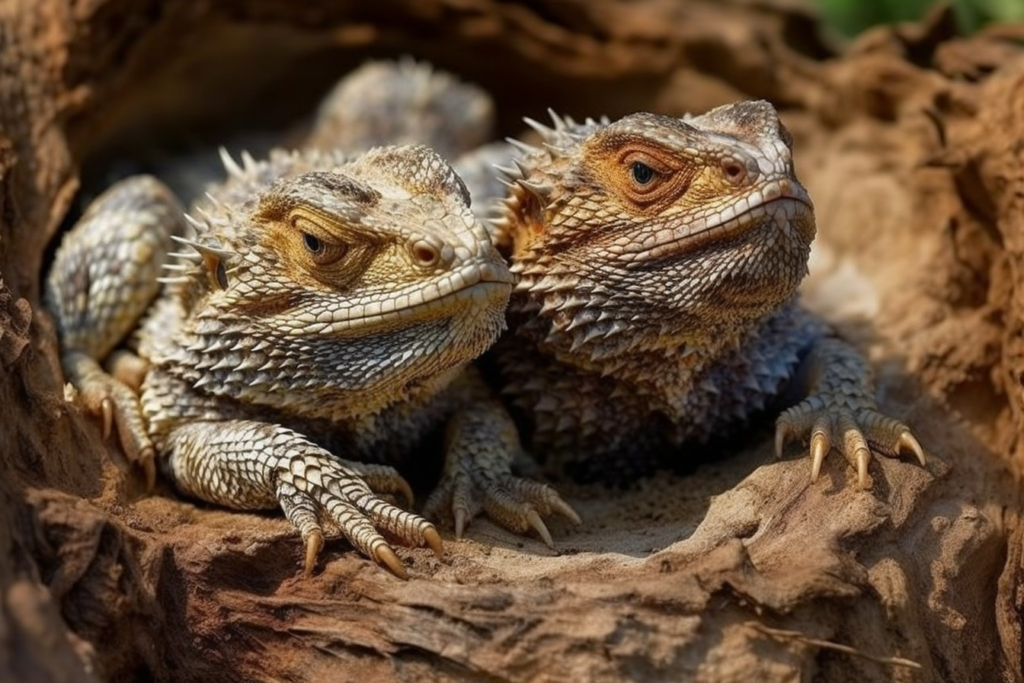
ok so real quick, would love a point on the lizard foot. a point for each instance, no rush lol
(382, 480)
(116, 405)
(339, 491)
(515, 503)
(855, 432)
(251, 465)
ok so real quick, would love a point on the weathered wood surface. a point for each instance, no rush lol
(910, 143)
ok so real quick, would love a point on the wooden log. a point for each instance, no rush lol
(742, 570)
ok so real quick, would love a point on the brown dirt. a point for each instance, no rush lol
(910, 143)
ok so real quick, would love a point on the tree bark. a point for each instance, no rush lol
(909, 141)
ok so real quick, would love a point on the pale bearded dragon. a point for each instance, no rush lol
(314, 329)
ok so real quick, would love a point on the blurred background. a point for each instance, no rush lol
(251, 81)
(850, 17)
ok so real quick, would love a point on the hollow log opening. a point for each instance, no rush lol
(908, 140)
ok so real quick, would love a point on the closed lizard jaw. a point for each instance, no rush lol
(779, 199)
(486, 284)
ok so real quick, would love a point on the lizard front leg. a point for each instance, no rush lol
(252, 465)
(103, 278)
(840, 410)
(481, 444)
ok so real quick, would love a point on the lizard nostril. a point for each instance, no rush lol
(426, 254)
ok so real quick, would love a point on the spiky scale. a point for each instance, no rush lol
(230, 165)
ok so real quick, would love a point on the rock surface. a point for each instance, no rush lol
(909, 140)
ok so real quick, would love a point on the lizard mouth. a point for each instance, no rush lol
(479, 285)
(783, 199)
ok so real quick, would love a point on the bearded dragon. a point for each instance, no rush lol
(658, 261)
(314, 327)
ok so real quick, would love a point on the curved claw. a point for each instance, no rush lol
(819, 449)
(387, 558)
(561, 507)
(107, 416)
(863, 457)
(855, 447)
(537, 523)
(433, 540)
(907, 442)
(782, 430)
(406, 491)
(314, 543)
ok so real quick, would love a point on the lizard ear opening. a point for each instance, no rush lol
(217, 270)
(222, 274)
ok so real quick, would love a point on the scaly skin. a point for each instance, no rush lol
(658, 264)
(103, 279)
(411, 102)
(323, 302)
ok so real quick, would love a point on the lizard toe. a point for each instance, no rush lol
(856, 433)
(516, 504)
(301, 510)
(794, 423)
(119, 410)
(407, 527)
(341, 496)
(889, 436)
(382, 479)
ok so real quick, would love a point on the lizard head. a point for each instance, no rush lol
(656, 232)
(358, 283)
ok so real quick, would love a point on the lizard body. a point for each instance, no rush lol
(658, 262)
(327, 304)
(315, 327)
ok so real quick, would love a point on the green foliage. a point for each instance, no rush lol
(850, 17)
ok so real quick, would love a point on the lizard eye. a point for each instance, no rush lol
(322, 252)
(425, 253)
(642, 173)
(651, 176)
(734, 171)
(314, 245)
